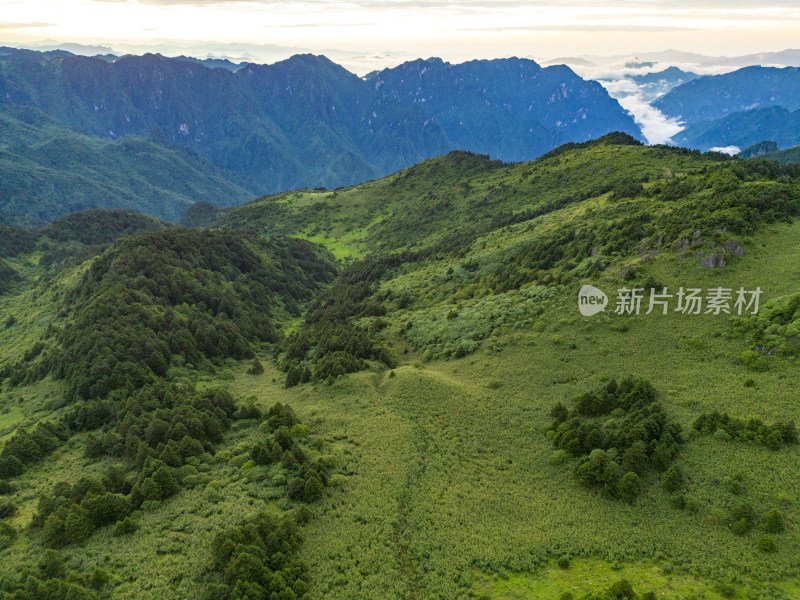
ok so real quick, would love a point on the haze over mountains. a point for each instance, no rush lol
(157, 134)
(305, 121)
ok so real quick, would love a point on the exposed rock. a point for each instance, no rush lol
(594, 251)
(733, 246)
(713, 261)
(681, 243)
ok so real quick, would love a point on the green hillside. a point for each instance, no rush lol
(45, 173)
(415, 407)
(790, 155)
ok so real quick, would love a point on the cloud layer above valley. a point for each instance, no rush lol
(451, 29)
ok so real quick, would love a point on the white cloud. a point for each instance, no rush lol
(726, 149)
(656, 127)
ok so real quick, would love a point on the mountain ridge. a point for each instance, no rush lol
(308, 122)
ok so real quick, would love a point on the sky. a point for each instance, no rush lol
(397, 30)
(364, 35)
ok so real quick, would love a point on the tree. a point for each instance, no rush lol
(256, 368)
(283, 437)
(10, 466)
(77, 526)
(54, 533)
(260, 453)
(635, 458)
(628, 487)
(313, 489)
(51, 564)
(674, 479)
(126, 526)
(106, 508)
(166, 481)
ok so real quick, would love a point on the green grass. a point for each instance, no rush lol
(448, 466)
(442, 485)
(595, 576)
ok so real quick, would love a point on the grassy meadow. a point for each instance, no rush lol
(440, 478)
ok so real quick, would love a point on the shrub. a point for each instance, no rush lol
(256, 368)
(673, 478)
(125, 527)
(621, 590)
(773, 522)
(766, 544)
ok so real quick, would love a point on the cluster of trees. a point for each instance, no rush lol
(148, 304)
(257, 559)
(161, 420)
(618, 433)
(175, 297)
(71, 513)
(50, 578)
(332, 342)
(743, 517)
(101, 227)
(753, 431)
(14, 241)
(774, 330)
(733, 197)
(158, 431)
(25, 448)
(307, 478)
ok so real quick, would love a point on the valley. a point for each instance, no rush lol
(423, 329)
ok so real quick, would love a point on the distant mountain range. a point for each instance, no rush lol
(788, 58)
(740, 108)
(671, 76)
(305, 121)
(717, 96)
(743, 129)
(507, 108)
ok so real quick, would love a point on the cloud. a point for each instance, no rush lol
(656, 127)
(725, 149)
(489, 5)
(581, 27)
(29, 25)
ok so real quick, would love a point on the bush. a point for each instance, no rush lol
(256, 368)
(773, 522)
(767, 544)
(673, 479)
(621, 590)
(125, 527)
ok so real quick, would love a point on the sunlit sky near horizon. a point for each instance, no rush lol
(454, 30)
